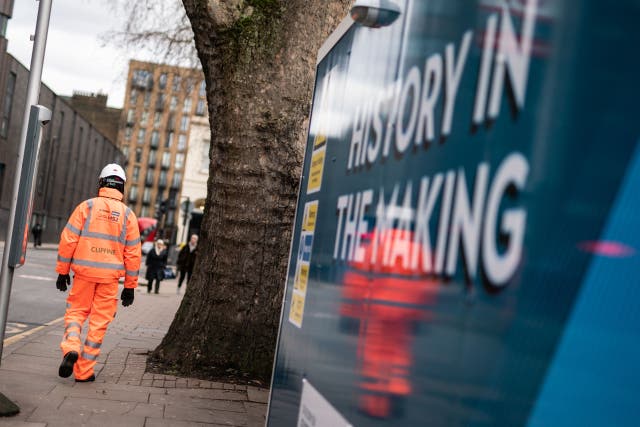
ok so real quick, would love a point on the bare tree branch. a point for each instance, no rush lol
(160, 27)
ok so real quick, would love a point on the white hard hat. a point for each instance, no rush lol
(113, 169)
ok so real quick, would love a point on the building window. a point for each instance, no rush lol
(156, 120)
(149, 178)
(173, 104)
(162, 82)
(133, 97)
(204, 156)
(184, 123)
(179, 163)
(153, 155)
(160, 102)
(162, 181)
(136, 174)
(142, 79)
(170, 217)
(166, 159)
(144, 212)
(2, 168)
(201, 107)
(131, 113)
(7, 105)
(146, 196)
(60, 126)
(144, 118)
(138, 155)
(133, 194)
(186, 108)
(155, 139)
(147, 99)
(189, 86)
(177, 180)
(125, 151)
(169, 142)
(127, 133)
(182, 142)
(4, 20)
(176, 83)
(141, 135)
(203, 89)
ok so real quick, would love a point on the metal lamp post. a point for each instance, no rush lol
(41, 117)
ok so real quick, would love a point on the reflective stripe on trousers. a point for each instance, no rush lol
(98, 303)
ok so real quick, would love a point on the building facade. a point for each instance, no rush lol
(93, 106)
(160, 103)
(196, 174)
(72, 152)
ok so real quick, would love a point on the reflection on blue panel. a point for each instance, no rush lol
(594, 378)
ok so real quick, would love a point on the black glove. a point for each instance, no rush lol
(127, 297)
(62, 282)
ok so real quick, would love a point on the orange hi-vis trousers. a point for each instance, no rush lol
(98, 302)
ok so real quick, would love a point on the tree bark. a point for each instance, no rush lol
(258, 57)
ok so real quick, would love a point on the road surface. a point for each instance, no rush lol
(35, 300)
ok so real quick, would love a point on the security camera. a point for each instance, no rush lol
(44, 114)
(375, 13)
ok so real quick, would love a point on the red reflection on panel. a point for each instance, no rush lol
(607, 248)
(387, 299)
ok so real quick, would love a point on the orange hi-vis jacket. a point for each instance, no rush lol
(101, 241)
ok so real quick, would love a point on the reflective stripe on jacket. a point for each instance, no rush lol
(101, 241)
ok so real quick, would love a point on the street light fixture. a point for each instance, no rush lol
(375, 13)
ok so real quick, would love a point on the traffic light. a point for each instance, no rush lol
(161, 209)
(185, 210)
(185, 206)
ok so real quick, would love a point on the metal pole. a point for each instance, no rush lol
(33, 92)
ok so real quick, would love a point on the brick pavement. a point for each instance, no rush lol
(123, 394)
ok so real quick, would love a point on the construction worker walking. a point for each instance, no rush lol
(100, 244)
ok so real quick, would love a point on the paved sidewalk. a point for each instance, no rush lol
(123, 394)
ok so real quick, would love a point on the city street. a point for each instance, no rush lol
(35, 301)
(124, 393)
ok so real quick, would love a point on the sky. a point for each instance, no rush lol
(75, 58)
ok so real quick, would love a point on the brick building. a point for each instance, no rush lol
(93, 107)
(160, 103)
(72, 153)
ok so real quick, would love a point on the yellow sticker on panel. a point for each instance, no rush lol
(316, 170)
(310, 215)
(297, 309)
(302, 278)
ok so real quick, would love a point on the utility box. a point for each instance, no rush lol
(467, 235)
(38, 117)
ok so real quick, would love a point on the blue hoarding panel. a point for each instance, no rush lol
(463, 231)
(593, 378)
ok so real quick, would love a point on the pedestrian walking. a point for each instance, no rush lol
(156, 263)
(37, 234)
(100, 244)
(186, 260)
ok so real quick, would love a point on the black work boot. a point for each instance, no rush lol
(87, 380)
(66, 367)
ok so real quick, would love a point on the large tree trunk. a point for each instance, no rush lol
(258, 57)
